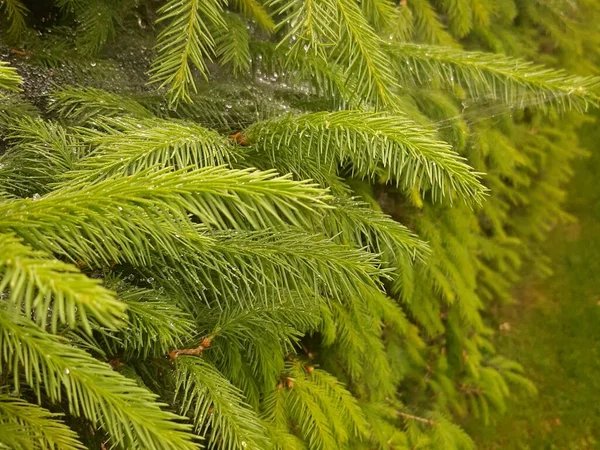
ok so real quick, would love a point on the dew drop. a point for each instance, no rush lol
(36, 197)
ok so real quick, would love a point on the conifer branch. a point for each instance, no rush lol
(127, 146)
(97, 23)
(232, 45)
(38, 284)
(155, 324)
(127, 412)
(37, 424)
(255, 10)
(417, 418)
(361, 52)
(9, 79)
(296, 260)
(354, 221)
(134, 206)
(382, 14)
(374, 144)
(185, 41)
(216, 407)
(41, 152)
(516, 82)
(82, 104)
(427, 24)
(15, 12)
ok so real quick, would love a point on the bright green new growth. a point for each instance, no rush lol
(9, 79)
(287, 239)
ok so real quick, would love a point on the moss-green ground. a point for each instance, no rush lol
(555, 333)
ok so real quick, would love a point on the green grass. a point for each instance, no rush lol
(555, 333)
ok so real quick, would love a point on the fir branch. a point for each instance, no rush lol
(97, 23)
(103, 223)
(427, 23)
(9, 78)
(232, 45)
(360, 51)
(344, 403)
(41, 152)
(186, 40)
(460, 15)
(325, 414)
(374, 144)
(38, 284)
(355, 222)
(127, 412)
(269, 267)
(312, 26)
(155, 324)
(276, 330)
(303, 411)
(15, 12)
(82, 104)
(299, 258)
(516, 82)
(255, 10)
(382, 14)
(216, 407)
(126, 146)
(37, 424)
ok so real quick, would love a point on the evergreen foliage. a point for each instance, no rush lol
(291, 235)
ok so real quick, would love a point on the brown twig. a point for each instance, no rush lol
(196, 351)
(239, 138)
(417, 418)
(471, 390)
(116, 363)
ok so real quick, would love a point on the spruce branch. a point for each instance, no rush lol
(36, 424)
(196, 351)
(232, 45)
(515, 82)
(38, 284)
(185, 41)
(382, 14)
(374, 144)
(155, 323)
(301, 260)
(460, 16)
(427, 24)
(355, 221)
(276, 330)
(41, 152)
(216, 406)
(15, 12)
(127, 412)
(324, 413)
(360, 50)
(82, 104)
(97, 23)
(417, 418)
(156, 205)
(312, 26)
(126, 146)
(9, 79)
(256, 11)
